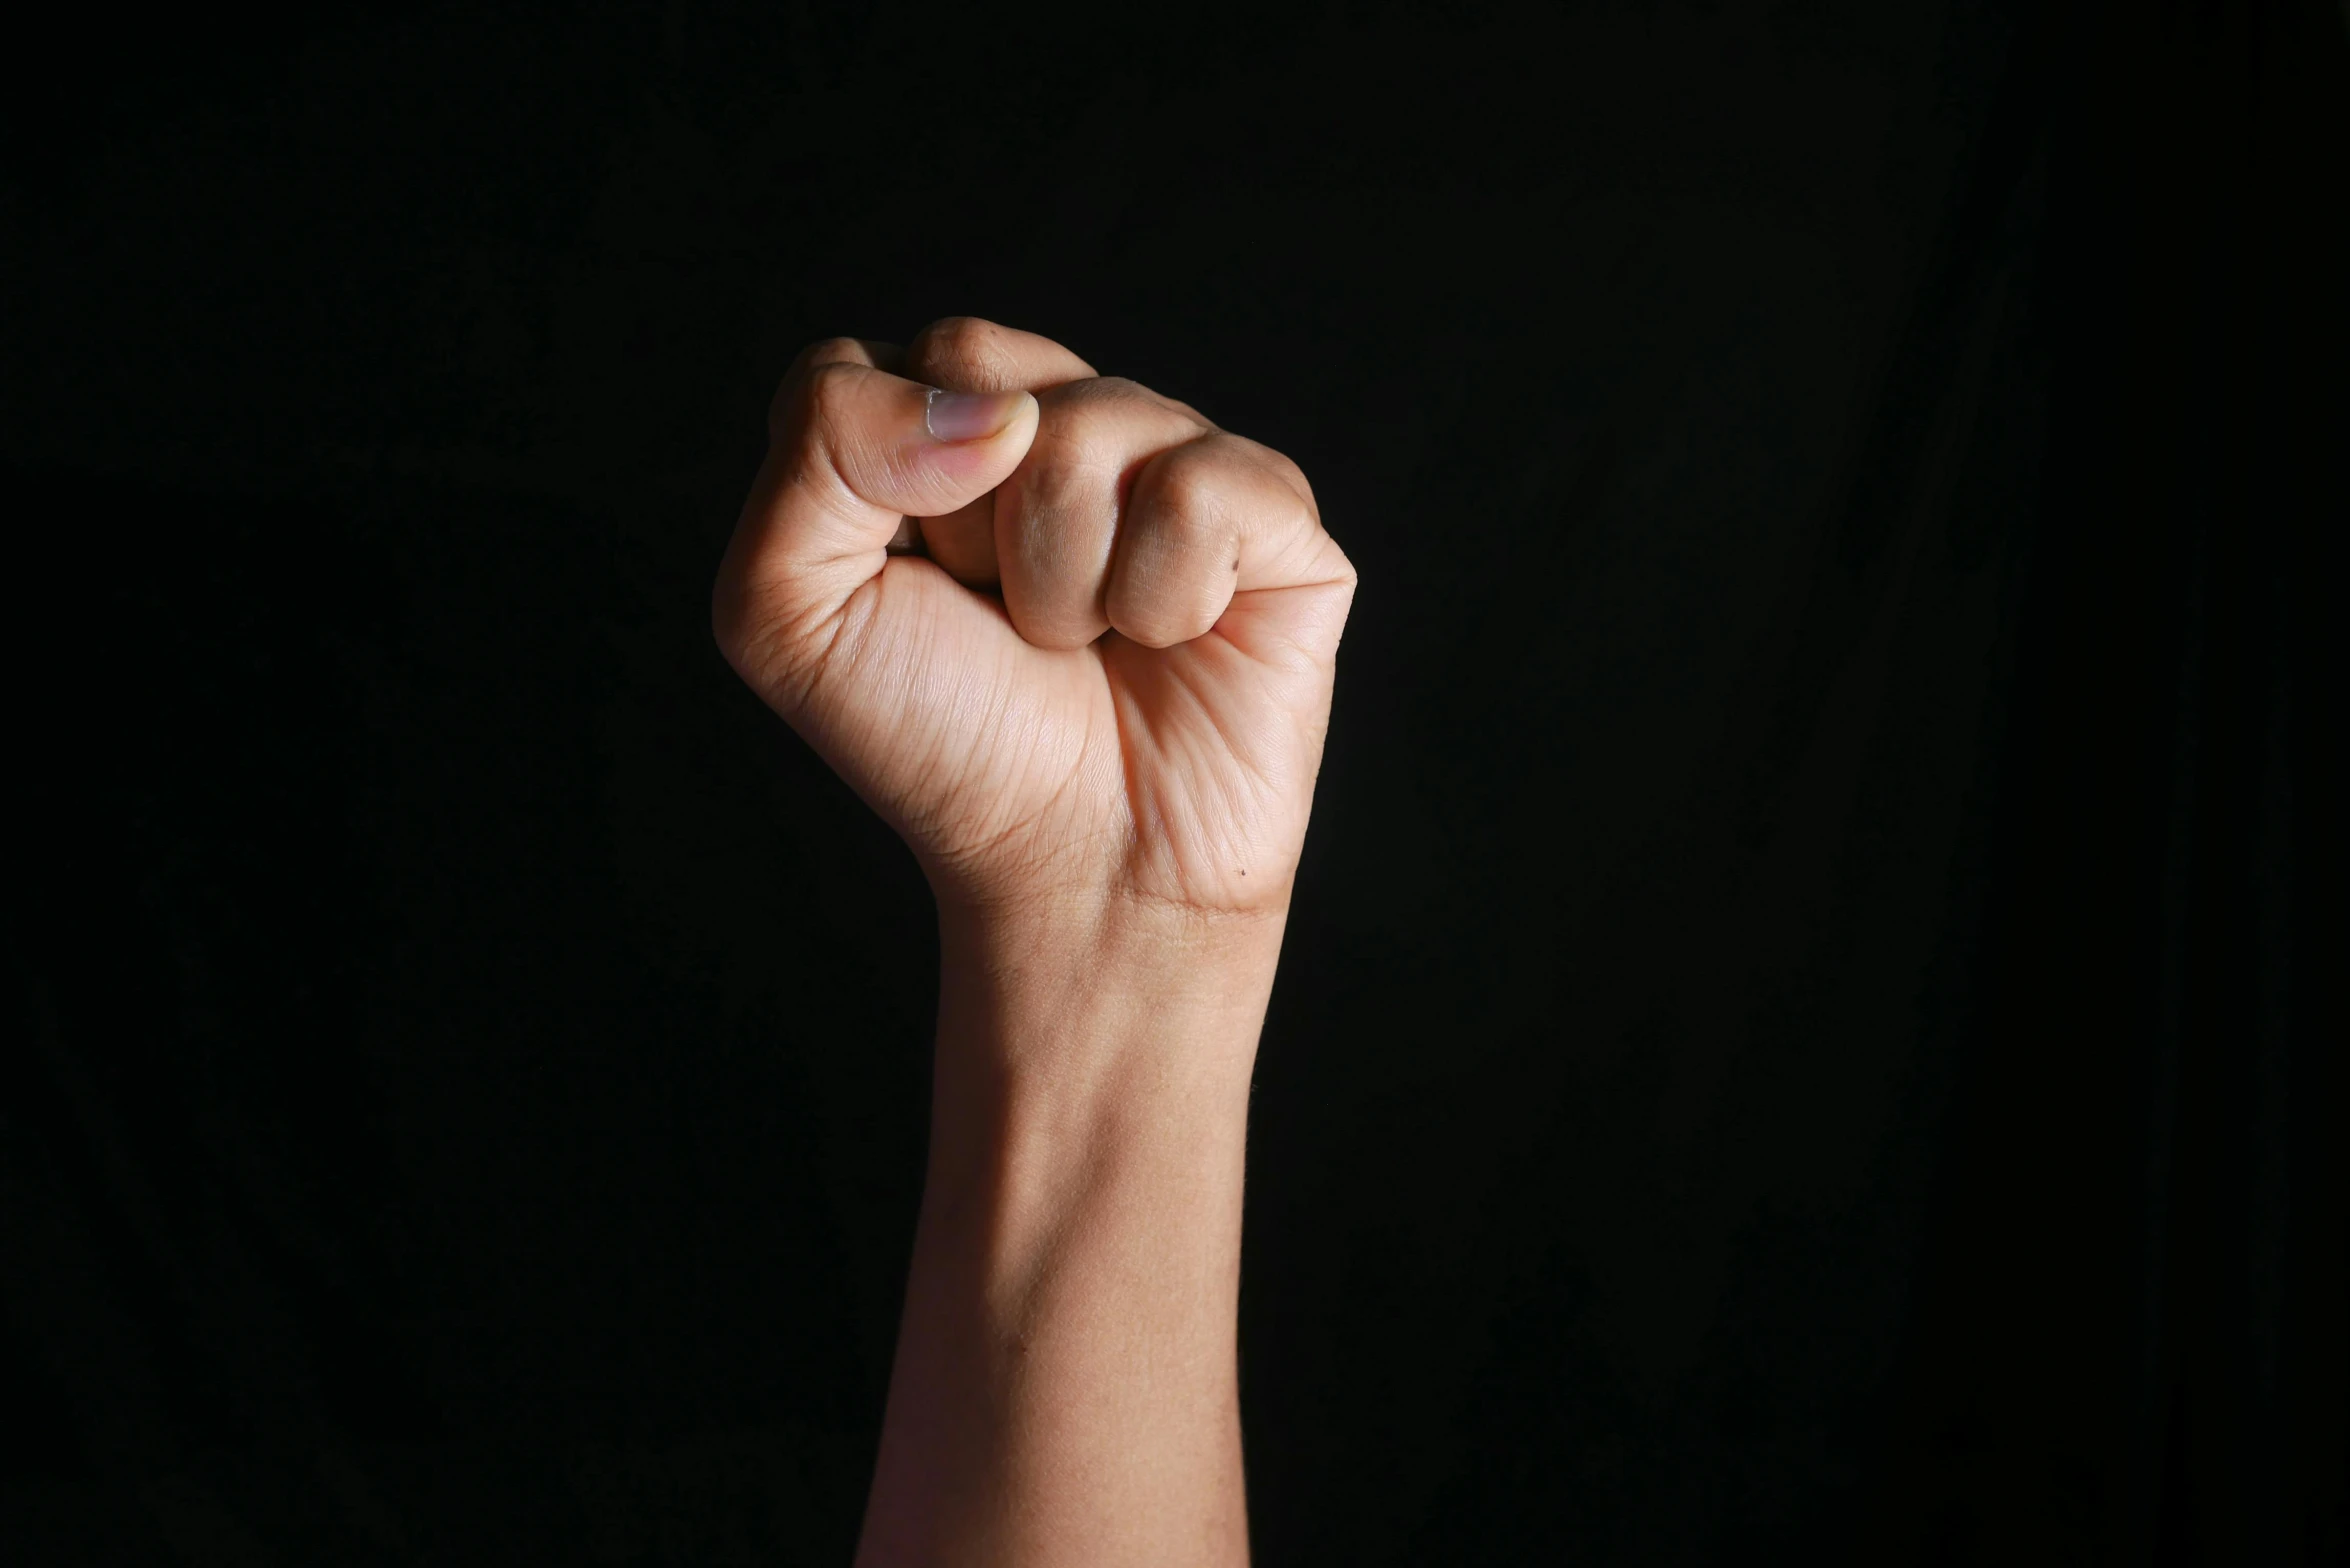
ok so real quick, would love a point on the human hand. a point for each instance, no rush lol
(1135, 724)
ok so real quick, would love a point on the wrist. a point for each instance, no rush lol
(1086, 1021)
(1110, 963)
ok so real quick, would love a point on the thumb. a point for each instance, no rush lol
(853, 452)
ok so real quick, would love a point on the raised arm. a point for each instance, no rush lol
(1094, 707)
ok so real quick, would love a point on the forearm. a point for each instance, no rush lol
(1065, 1387)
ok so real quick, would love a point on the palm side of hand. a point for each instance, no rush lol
(1024, 752)
(1180, 775)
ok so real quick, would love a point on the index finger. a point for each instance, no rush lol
(968, 354)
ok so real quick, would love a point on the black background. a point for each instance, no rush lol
(1805, 1032)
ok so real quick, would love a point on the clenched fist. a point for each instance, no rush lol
(1070, 639)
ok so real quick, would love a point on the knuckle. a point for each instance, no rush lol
(1342, 568)
(1187, 502)
(826, 351)
(1074, 401)
(1130, 394)
(1074, 438)
(1058, 479)
(1286, 469)
(1046, 620)
(1167, 413)
(824, 405)
(1098, 400)
(1158, 613)
(1278, 464)
(966, 348)
(1307, 517)
(801, 389)
(826, 382)
(825, 359)
(822, 352)
(1159, 624)
(1186, 486)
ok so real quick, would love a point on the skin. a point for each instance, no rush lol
(1080, 658)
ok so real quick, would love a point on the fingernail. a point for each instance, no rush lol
(970, 416)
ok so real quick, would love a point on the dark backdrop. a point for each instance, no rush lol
(1804, 1033)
